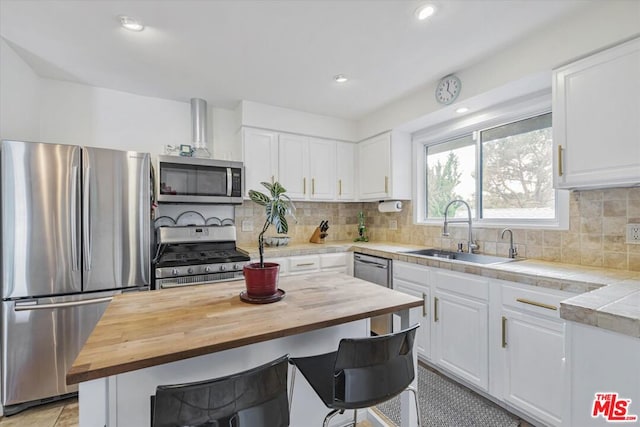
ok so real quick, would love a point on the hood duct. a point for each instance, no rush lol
(199, 127)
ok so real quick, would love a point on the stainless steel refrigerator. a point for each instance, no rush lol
(75, 232)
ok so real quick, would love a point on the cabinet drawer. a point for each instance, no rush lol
(545, 302)
(463, 284)
(333, 260)
(410, 272)
(304, 263)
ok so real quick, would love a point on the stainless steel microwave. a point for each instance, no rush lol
(197, 180)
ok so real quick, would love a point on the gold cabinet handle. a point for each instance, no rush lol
(386, 184)
(560, 171)
(537, 304)
(435, 309)
(313, 186)
(424, 304)
(339, 187)
(305, 264)
(304, 185)
(504, 332)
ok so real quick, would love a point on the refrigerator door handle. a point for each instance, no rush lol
(28, 306)
(75, 259)
(87, 219)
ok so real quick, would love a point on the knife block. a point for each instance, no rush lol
(315, 237)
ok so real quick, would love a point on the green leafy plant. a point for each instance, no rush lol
(277, 207)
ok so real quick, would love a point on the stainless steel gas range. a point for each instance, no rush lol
(193, 255)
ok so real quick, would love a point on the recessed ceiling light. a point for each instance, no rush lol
(462, 110)
(340, 78)
(131, 24)
(425, 11)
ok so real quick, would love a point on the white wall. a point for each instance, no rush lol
(226, 141)
(276, 118)
(19, 100)
(72, 113)
(601, 24)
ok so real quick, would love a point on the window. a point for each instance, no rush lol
(503, 172)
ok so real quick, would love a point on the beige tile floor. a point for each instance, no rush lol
(63, 413)
(59, 414)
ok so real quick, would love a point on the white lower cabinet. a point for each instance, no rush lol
(533, 378)
(423, 334)
(460, 319)
(412, 279)
(503, 339)
(534, 365)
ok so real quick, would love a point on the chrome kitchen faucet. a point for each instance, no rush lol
(471, 245)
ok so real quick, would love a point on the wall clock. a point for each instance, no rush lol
(448, 89)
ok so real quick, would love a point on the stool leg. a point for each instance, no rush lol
(293, 381)
(415, 397)
(331, 415)
(355, 417)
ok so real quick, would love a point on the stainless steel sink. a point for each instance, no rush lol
(461, 256)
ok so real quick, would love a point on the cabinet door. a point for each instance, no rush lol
(260, 154)
(345, 171)
(322, 169)
(596, 131)
(294, 166)
(423, 334)
(461, 337)
(375, 171)
(534, 365)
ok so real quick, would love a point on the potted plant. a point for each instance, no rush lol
(262, 278)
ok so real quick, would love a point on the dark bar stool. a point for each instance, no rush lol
(362, 373)
(253, 398)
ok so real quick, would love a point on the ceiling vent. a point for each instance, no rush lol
(199, 127)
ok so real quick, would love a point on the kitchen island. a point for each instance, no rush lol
(200, 332)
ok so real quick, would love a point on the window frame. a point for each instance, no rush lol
(502, 114)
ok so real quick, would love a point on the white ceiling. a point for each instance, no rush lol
(277, 52)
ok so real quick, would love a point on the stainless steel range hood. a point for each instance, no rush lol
(199, 128)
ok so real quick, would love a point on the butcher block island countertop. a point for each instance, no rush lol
(145, 329)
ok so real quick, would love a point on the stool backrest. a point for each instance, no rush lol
(254, 398)
(372, 370)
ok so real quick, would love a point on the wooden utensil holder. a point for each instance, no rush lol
(315, 237)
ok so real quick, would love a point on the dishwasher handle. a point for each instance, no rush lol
(375, 264)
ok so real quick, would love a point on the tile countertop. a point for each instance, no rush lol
(605, 298)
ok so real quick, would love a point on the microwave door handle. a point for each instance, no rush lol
(229, 182)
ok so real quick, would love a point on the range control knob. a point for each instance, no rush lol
(174, 271)
(190, 270)
(207, 269)
(223, 267)
(236, 266)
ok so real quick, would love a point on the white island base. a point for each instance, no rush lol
(123, 400)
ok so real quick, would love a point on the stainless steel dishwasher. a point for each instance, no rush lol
(376, 270)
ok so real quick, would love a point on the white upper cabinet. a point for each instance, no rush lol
(345, 170)
(322, 169)
(596, 119)
(385, 167)
(294, 164)
(307, 167)
(260, 154)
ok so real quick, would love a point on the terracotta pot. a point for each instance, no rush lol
(261, 282)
